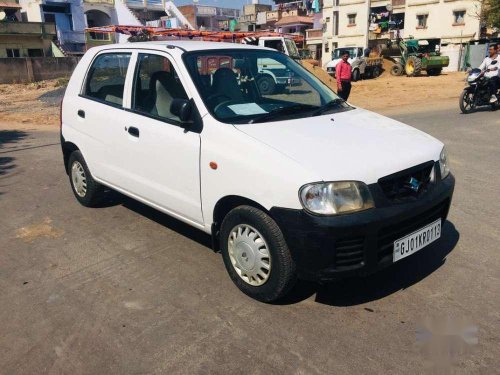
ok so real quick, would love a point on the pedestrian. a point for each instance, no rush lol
(343, 74)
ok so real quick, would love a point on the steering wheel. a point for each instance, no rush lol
(226, 103)
(211, 98)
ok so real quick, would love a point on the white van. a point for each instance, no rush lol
(293, 185)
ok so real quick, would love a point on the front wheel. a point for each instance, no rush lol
(256, 255)
(266, 85)
(467, 101)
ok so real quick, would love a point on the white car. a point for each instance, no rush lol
(292, 185)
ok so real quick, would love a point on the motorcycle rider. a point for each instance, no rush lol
(491, 71)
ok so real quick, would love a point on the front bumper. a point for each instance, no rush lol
(331, 247)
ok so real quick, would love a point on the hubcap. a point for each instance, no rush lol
(249, 254)
(78, 178)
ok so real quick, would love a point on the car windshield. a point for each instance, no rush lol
(339, 51)
(244, 86)
(292, 49)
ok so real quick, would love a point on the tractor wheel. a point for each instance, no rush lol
(356, 75)
(413, 66)
(434, 72)
(397, 70)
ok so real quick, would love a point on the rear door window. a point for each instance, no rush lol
(106, 78)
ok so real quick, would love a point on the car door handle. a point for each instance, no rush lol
(133, 131)
(81, 113)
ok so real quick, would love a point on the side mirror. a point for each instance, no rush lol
(181, 108)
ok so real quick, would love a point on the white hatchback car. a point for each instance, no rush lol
(297, 183)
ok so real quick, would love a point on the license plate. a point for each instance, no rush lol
(417, 240)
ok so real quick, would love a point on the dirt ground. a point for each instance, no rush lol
(38, 103)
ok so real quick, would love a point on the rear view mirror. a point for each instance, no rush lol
(181, 108)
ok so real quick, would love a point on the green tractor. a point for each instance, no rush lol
(416, 55)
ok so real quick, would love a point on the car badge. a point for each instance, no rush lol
(414, 184)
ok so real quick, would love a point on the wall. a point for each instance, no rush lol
(23, 43)
(16, 70)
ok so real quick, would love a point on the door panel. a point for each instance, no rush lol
(162, 158)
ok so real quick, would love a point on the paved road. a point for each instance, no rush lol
(125, 289)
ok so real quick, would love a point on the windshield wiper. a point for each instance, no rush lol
(335, 103)
(291, 109)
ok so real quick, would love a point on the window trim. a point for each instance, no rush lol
(87, 72)
(349, 24)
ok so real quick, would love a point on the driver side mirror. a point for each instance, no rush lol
(181, 108)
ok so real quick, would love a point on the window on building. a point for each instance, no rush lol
(422, 21)
(35, 52)
(335, 23)
(327, 47)
(156, 85)
(13, 52)
(459, 17)
(351, 19)
(106, 78)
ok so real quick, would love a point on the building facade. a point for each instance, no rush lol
(349, 23)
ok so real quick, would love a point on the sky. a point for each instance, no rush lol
(238, 4)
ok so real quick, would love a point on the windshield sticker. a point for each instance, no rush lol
(247, 109)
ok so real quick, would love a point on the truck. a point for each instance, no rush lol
(362, 67)
(417, 56)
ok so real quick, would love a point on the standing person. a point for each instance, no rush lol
(490, 70)
(343, 74)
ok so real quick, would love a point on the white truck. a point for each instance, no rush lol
(297, 186)
(362, 67)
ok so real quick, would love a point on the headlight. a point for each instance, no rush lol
(443, 163)
(331, 198)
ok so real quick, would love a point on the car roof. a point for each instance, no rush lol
(185, 45)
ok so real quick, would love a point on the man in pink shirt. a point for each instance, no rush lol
(343, 74)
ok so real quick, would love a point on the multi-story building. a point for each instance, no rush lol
(19, 38)
(249, 20)
(374, 22)
(210, 18)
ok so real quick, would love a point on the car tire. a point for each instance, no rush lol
(86, 190)
(356, 75)
(256, 255)
(266, 85)
(376, 72)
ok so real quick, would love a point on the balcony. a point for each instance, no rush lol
(71, 36)
(314, 34)
(100, 2)
(27, 28)
(146, 4)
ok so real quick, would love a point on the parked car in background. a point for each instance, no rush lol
(292, 185)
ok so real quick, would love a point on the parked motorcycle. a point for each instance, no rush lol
(477, 93)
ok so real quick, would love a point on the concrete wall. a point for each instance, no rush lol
(16, 70)
(23, 43)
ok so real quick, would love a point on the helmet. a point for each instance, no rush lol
(473, 75)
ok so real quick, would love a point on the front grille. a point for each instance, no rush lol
(349, 253)
(388, 235)
(397, 187)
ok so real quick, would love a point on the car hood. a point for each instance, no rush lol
(333, 63)
(353, 145)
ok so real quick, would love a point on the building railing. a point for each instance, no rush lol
(106, 2)
(71, 36)
(33, 28)
(314, 33)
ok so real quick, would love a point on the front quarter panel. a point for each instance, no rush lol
(247, 168)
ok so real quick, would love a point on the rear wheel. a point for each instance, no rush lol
(397, 70)
(256, 255)
(376, 72)
(467, 102)
(266, 85)
(87, 191)
(413, 66)
(434, 72)
(356, 75)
